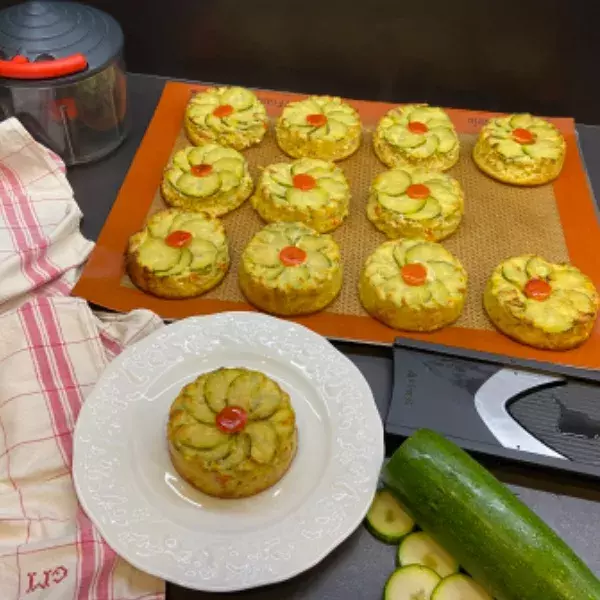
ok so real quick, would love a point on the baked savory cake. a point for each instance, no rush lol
(309, 190)
(541, 304)
(178, 254)
(232, 433)
(417, 135)
(290, 269)
(323, 127)
(209, 179)
(520, 149)
(415, 203)
(230, 116)
(414, 285)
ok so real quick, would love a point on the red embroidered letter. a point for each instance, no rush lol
(33, 586)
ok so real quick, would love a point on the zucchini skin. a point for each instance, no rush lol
(497, 539)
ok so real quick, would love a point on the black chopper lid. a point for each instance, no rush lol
(50, 40)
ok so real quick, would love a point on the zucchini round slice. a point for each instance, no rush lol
(421, 549)
(411, 583)
(459, 587)
(387, 519)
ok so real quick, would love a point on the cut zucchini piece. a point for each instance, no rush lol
(581, 301)
(446, 138)
(411, 583)
(197, 407)
(426, 251)
(441, 192)
(332, 187)
(199, 187)
(442, 271)
(522, 121)
(181, 159)
(283, 422)
(265, 399)
(427, 149)
(197, 156)
(397, 135)
(337, 129)
(393, 183)
(229, 181)
(509, 148)
(421, 549)
(387, 519)
(242, 389)
(542, 149)
(430, 210)
(203, 253)
(402, 204)
(239, 453)
(217, 453)
(233, 165)
(544, 132)
(319, 133)
(514, 272)
(425, 114)
(459, 587)
(263, 441)
(345, 118)
(201, 436)
(159, 227)
(216, 386)
(400, 256)
(538, 268)
(314, 198)
(312, 243)
(265, 255)
(316, 261)
(215, 153)
(157, 256)
(552, 317)
(567, 279)
(295, 277)
(185, 260)
(416, 295)
(439, 122)
(237, 97)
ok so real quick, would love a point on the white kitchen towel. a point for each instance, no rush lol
(41, 247)
(52, 351)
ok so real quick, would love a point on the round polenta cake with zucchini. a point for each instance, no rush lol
(417, 135)
(415, 203)
(546, 305)
(230, 116)
(520, 149)
(232, 433)
(414, 285)
(309, 190)
(178, 254)
(209, 179)
(322, 127)
(290, 269)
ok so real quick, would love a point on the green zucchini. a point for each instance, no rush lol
(414, 582)
(387, 519)
(496, 538)
(459, 587)
(421, 549)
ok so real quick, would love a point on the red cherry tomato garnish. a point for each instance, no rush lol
(224, 110)
(538, 289)
(201, 170)
(291, 256)
(418, 191)
(232, 419)
(316, 120)
(523, 136)
(178, 239)
(418, 127)
(304, 182)
(414, 274)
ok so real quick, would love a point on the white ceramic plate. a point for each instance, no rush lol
(160, 524)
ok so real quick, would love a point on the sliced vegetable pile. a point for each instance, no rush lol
(470, 519)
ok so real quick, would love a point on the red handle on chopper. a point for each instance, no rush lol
(20, 67)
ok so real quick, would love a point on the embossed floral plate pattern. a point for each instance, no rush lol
(160, 524)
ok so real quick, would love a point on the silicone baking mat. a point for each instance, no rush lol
(557, 221)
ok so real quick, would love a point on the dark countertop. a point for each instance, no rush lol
(360, 566)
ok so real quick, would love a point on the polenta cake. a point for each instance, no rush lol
(322, 127)
(415, 203)
(178, 254)
(230, 116)
(417, 135)
(309, 190)
(545, 305)
(414, 285)
(210, 179)
(232, 433)
(520, 149)
(290, 269)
